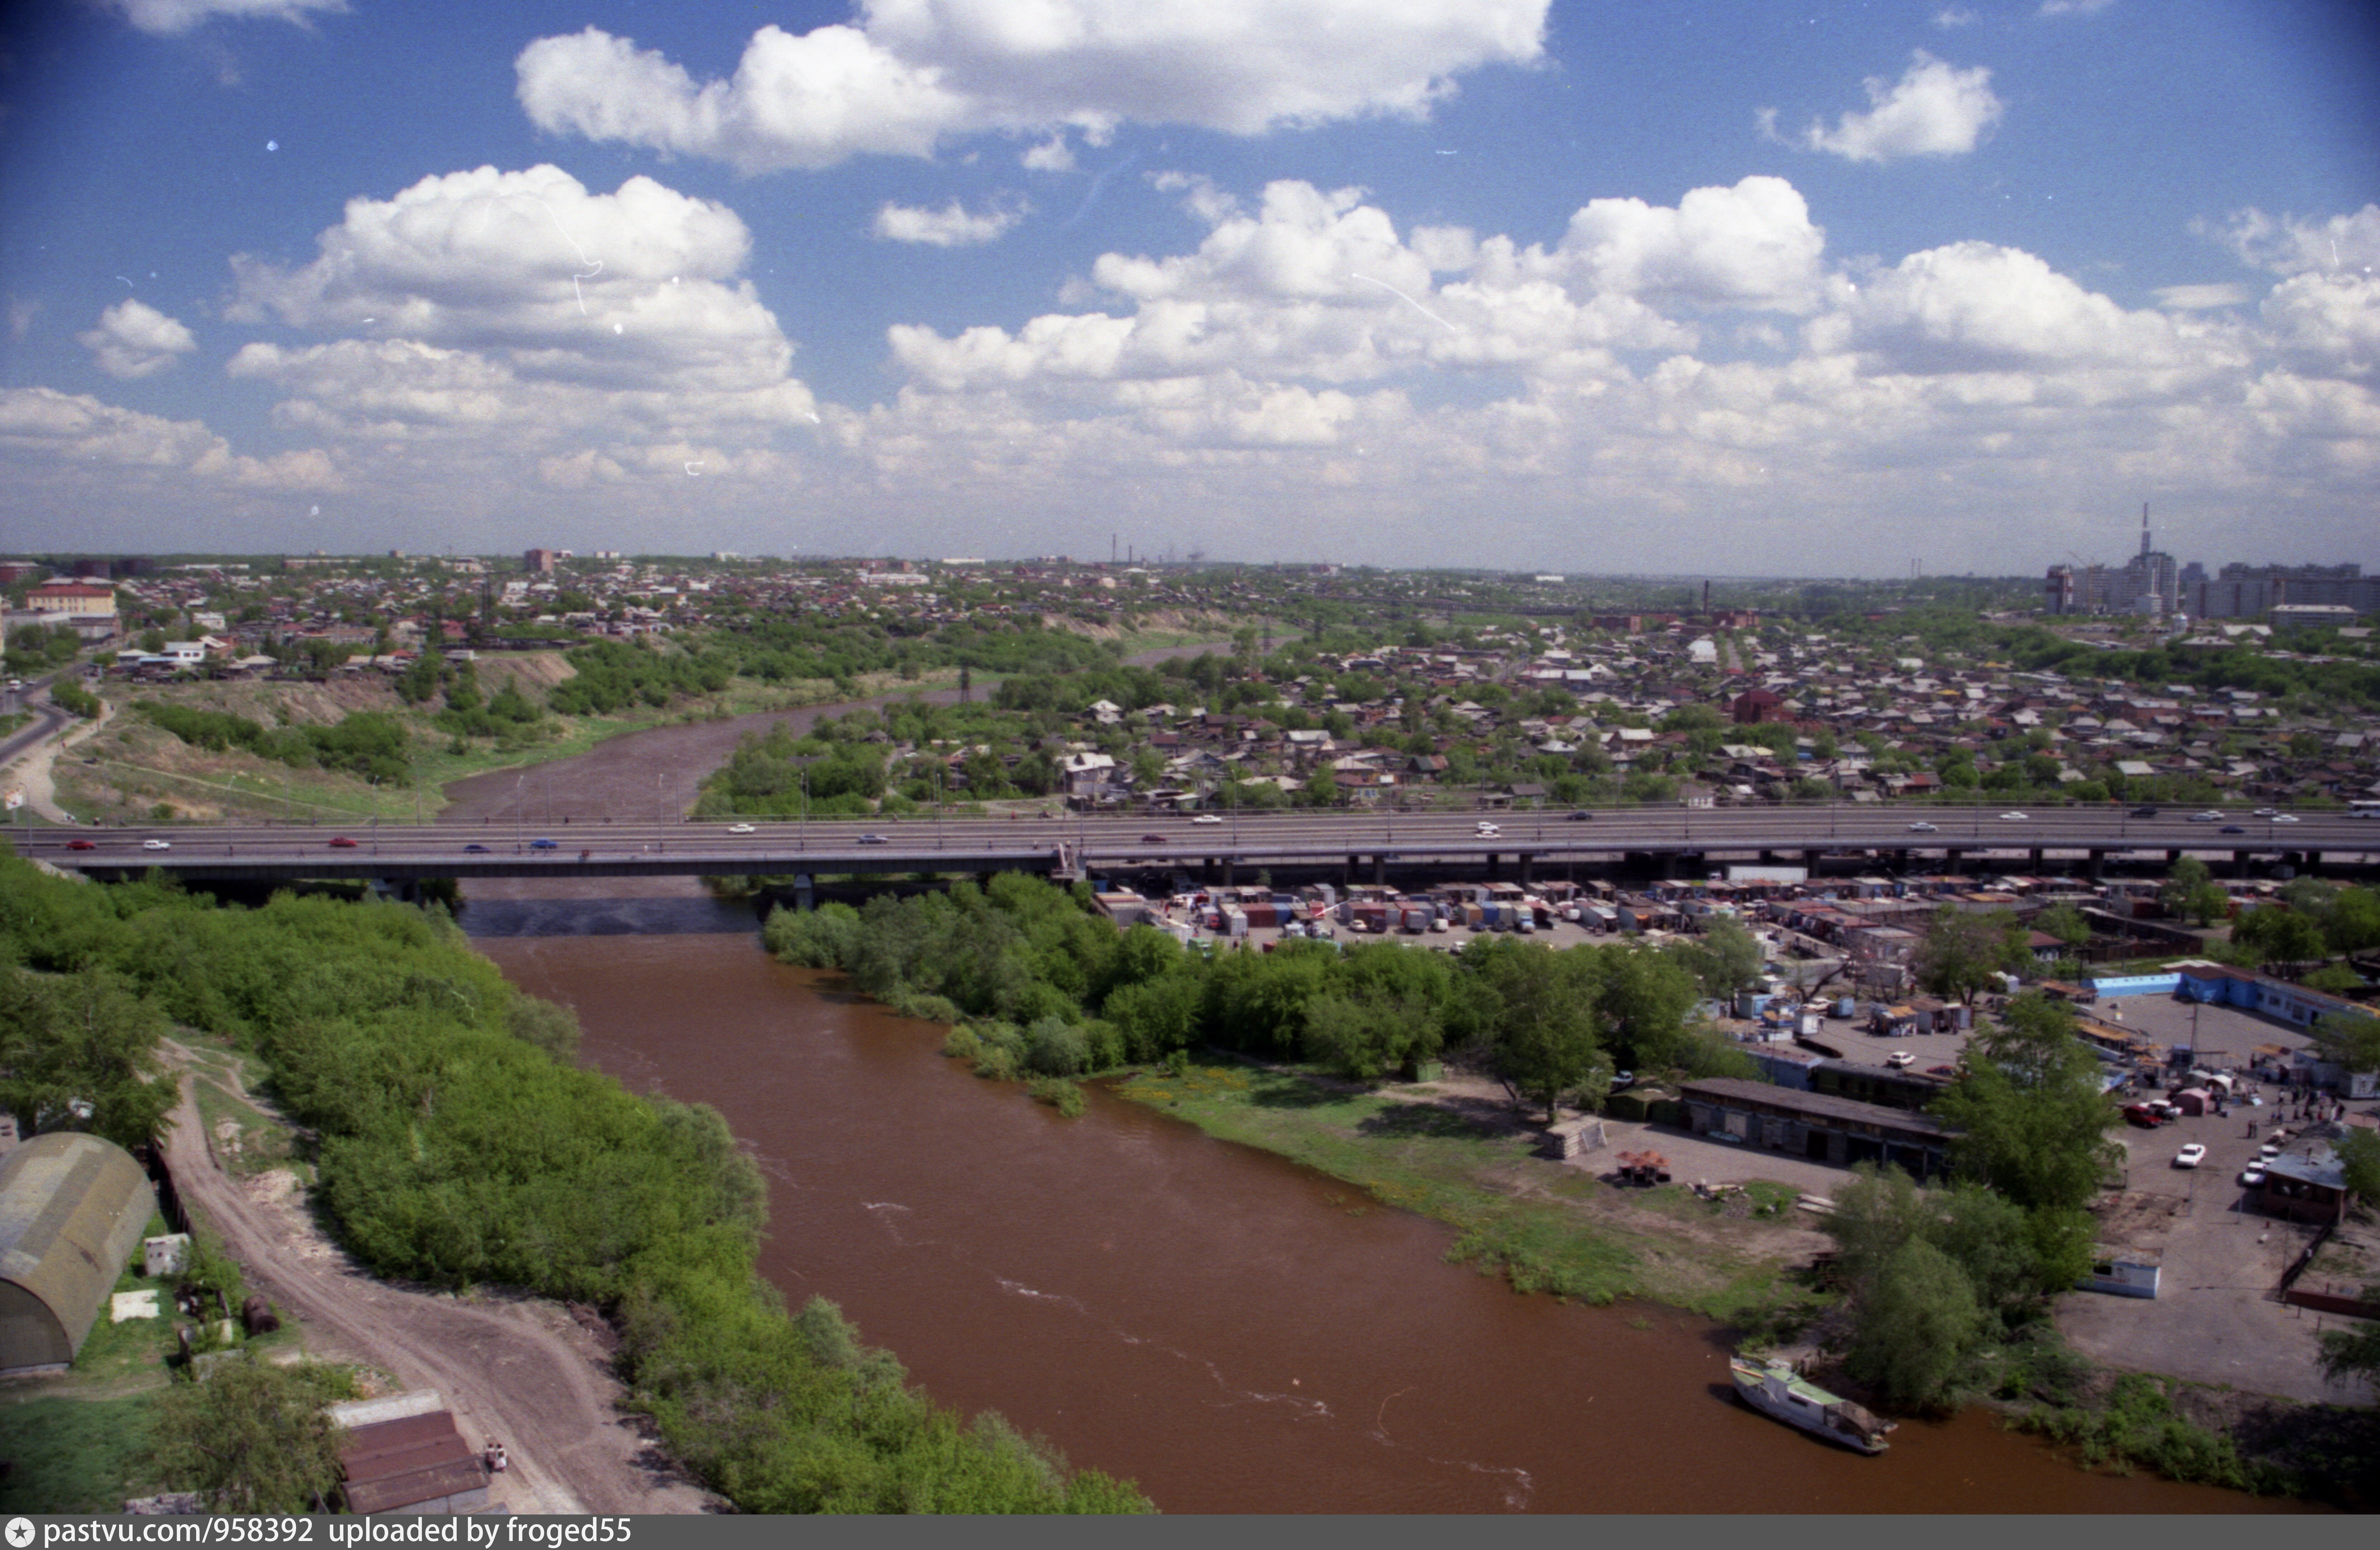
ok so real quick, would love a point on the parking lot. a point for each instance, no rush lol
(2216, 1318)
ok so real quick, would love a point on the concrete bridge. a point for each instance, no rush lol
(1357, 845)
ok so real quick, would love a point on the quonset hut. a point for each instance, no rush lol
(72, 1212)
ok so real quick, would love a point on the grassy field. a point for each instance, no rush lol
(1545, 1227)
(75, 1455)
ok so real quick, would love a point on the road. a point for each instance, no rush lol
(591, 843)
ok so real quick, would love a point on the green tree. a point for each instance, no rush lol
(1726, 958)
(1965, 952)
(2065, 922)
(2346, 1352)
(1545, 1022)
(79, 1053)
(2278, 935)
(1917, 1326)
(2359, 1158)
(2028, 1105)
(250, 1437)
(2192, 893)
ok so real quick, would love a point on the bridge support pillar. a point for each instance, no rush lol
(804, 892)
(2171, 856)
(1953, 860)
(2096, 867)
(1227, 870)
(1380, 869)
(2036, 854)
(2239, 863)
(1495, 866)
(1525, 858)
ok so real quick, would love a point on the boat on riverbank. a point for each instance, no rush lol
(1774, 1388)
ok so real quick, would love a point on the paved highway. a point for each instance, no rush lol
(507, 848)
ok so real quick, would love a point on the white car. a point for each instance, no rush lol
(1900, 1057)
(2014, 818)
(1207, 818)
(742, 829)
(156, 845)
(2207, 818)
(2266, 812)
(2285, 818)
(2253, 1175)
(1489, 831)
(2189, 1156)
(1921, 828)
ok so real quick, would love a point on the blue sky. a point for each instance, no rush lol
(1696, 288)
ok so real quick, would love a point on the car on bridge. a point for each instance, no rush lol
(1208, 818)
(1579, 816)
(873, 839)
(2266, 812)
(545, 845)
(156, 845)
(2014, 818)
(2285, 818)
(2233, 829)
(1921, 828)
(80, 845)
(1489, 831)
(342, 842)
(2144, 813)
(742, 829)
(1152, 839)
(2207, 818)
(475, 848)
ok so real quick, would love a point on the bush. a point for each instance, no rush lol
(1061, 1094)
(1056, 1048)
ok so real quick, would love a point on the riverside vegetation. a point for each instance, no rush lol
(455, 1144)
(1940, 1296)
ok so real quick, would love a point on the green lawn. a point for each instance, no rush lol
(1546, 1228)
(75, 1455)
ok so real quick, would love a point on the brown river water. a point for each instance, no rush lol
(1234, 1331)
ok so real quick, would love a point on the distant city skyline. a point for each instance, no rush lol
(1511, 285)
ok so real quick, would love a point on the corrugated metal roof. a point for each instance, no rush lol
(72, 1211)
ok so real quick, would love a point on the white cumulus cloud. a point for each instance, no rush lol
(951, 226)
(1978, 307)
(636, 287)
(913, 72)
(134, 339)
(2286, 245)
(1935, 109)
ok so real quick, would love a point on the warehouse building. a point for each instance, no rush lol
(1817, 1126)
(73, 1210)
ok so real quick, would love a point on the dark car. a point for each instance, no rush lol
(1152, 839)
(80, 845)
(544, 844)
(475, 847)
(343, 843)
(873, 839)
(1580, 816)
(2232, 829)
(2144, 813)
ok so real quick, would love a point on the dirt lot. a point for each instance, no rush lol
(2216, 1318)
(516, 1368)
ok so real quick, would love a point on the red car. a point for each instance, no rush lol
(80, 845)
(343, 843)
(2143, 1115)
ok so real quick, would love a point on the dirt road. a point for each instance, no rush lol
(517, 1369)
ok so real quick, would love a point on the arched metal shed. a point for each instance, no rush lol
(73, 1209)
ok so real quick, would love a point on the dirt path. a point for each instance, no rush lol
(516, 1368)
(33, 770)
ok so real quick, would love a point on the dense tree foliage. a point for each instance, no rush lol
(1016, 952)
(252, 1437)
(1964, 953)
(611, 676)
(368, 743)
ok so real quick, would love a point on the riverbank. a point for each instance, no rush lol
(1547, 1226)
(1470, 1162)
